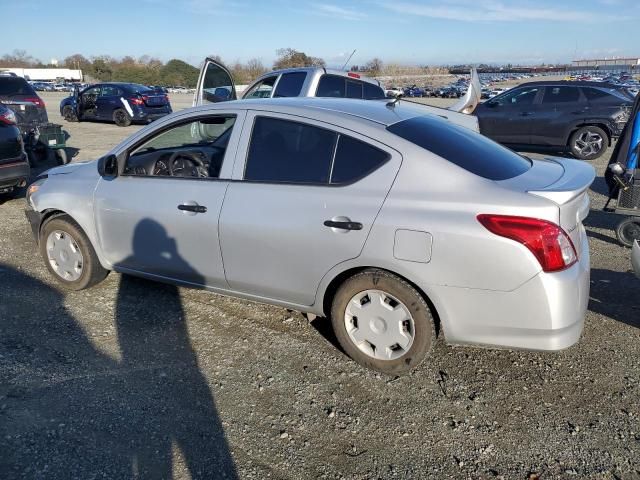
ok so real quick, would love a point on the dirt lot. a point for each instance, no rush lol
(137, 379)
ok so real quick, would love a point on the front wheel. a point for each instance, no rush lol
(68, 114)
(628, 231)
(382, 322)
(121, 117)
(588, 143)
(69, 255)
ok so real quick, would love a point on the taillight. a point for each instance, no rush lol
(547, 241)
(35, 100)
(8, 117)
(137, 101)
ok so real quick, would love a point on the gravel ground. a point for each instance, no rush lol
(137, 379)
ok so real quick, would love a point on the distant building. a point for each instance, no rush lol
(47, 74)
(609, 64)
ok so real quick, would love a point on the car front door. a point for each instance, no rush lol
(507, 117)
(88, 102)
(159, 217)
(303, 201)
(215, 84)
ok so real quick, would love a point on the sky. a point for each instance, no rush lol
(409, 32)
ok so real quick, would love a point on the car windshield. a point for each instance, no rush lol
(15, 86)
(469, 150)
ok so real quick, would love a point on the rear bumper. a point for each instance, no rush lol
(14, 173)
(149, 114)
(545, 313)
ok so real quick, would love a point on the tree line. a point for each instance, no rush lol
(148, 70)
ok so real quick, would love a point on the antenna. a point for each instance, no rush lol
(345, 63)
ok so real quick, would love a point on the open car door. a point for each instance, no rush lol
(468, 103)
(215, 84)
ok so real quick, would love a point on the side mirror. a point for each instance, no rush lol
(108, 166)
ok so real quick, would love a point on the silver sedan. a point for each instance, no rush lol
(397, 225)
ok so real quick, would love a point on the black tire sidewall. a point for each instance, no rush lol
(128, 120)
(594, 129)
(92, 271)
(620, 231)
(423, 321)
(71, 117)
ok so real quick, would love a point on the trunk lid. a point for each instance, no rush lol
(155, 99)
(564, 182)
(28, 114)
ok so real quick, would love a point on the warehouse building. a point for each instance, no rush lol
(613, 65)
(47, 74)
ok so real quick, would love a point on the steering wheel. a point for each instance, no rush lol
(198, 165)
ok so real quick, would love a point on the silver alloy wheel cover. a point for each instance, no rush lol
(588, 143)
(379, 324)
(64, 255)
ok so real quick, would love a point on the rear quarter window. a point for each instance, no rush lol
(355, 160)
(462, 147)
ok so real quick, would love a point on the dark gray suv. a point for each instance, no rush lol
(580, 117)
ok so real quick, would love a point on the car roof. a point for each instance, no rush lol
(323, 70)
(376, 111)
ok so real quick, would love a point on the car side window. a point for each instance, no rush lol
(560, 95)
(284, 151)
(371, 91)
(188, 149)
(290, 84)
(355, 159)
(109, 91)
(92, 91)
(519, 96)
(331, 86)
(262, 89)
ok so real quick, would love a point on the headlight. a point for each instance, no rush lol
(33, 188)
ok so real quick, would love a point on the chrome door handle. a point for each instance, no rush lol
(343, 225)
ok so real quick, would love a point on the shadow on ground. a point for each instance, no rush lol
(615, 295)
(69, 410)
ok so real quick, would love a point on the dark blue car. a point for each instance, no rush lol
(121, 103)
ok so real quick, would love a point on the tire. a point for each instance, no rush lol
(68, 114)
(91, 272)
(409, 300)
(61, 156)
(628, 231)
(588, 143)
(121, 117)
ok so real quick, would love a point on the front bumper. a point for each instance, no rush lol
(14, 174)
(545, 313)
(35, 219)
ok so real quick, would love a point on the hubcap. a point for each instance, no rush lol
(379, 325)
(589, 143)
(631, 232)
(64, 255)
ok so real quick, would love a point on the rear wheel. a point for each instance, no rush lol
(382, 322)
(69, 255)
(61, 156)
(628, 231)
(588, 143)
(121, 117)
(68, 114)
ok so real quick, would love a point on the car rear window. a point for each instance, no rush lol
(135, 88)
(290, 84)
(462, 147)
(594, 94)
(15, 86)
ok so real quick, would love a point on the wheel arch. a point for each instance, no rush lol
(338, 278)
(51, 213)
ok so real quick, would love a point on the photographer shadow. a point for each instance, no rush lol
(69, 410)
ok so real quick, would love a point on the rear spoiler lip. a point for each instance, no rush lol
(568, 187)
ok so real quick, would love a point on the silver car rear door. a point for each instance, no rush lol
(279, 239)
